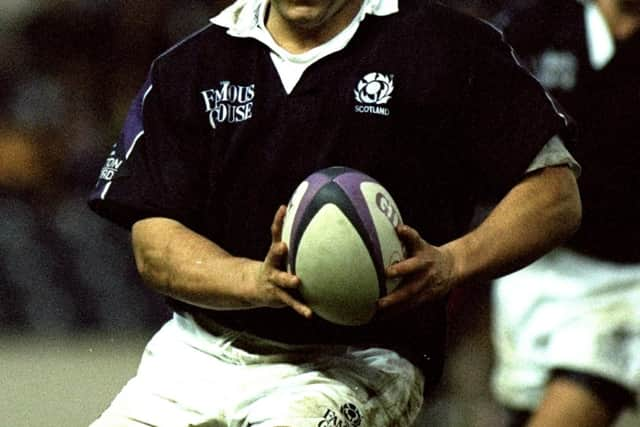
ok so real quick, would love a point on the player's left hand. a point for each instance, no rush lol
(427, 274)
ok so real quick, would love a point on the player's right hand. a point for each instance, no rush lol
(273, 283)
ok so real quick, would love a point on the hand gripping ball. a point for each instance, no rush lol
(340, 231)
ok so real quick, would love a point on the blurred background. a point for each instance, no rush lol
(73, 316)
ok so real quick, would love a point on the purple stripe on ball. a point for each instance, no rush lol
(316, 182)
(350, 183)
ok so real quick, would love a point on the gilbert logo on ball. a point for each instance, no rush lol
(340, 231)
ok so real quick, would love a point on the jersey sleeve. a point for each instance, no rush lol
(554, 153)
(511, 117)
(153, 170)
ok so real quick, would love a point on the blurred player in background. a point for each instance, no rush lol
(428, 101)
(567, 328)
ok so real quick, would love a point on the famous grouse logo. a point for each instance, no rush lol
(349, 416)
(229, 103)
(373, 92)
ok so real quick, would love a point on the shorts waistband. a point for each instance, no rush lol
(255, 344)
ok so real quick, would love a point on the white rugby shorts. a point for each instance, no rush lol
(567, 311)
(189, 377)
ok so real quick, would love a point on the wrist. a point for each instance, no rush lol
(456, 256)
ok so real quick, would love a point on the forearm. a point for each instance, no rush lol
(538, 214)
(181, 264)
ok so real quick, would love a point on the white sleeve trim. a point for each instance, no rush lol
(554, 153)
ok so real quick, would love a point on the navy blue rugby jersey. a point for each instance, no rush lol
(429, 102)
(604, 103)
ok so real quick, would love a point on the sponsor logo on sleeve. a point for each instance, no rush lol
(111, 166)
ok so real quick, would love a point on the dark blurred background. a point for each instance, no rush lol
(69, 71)
(73, 316)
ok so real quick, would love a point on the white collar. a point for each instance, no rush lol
(246, 18)
(600, 42)
(243, 17)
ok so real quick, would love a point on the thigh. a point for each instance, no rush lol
(138, 406)
(176, 384)
(569, 404)
(374, 388)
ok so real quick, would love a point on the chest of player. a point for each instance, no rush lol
(347, 108)
(374, 111)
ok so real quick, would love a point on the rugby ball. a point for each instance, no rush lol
(340, 232)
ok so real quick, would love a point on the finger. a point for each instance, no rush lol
(282, 279)
(407, 298)
(404, 267)
(276, 225)
(402, 295)
(410, 237)
(299, 307)
(276, 255)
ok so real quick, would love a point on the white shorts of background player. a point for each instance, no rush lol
(566, 311)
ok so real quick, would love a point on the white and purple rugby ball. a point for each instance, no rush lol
(340, 231)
